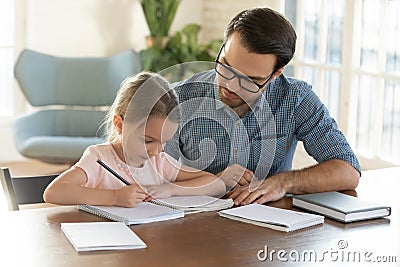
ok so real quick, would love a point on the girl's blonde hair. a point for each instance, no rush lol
(156, 90)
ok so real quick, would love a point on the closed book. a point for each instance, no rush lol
(145, 212)
(92, 236)
(274, 218)
(191, 204)
(340, 206)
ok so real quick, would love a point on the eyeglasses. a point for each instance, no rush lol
(229, 73)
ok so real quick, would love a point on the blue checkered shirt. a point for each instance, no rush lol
(213, 137)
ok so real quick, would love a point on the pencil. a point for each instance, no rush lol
(113, 172)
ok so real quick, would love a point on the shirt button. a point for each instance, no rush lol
(235, 150)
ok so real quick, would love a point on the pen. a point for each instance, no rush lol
(113, 172)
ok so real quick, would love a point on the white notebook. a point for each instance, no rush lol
(145, 212)
(91, 236)
(274, 218)
(195, 203)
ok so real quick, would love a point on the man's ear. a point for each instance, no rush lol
(118, 122)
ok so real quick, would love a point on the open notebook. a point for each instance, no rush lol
(90, 236)
(274, 218)
(145, 212)
(191, 204)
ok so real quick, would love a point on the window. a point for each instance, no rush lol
(6, 57)
(318, 58)
(350, 52)
(377, 79)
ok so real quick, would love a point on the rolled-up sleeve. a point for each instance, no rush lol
(319, 132)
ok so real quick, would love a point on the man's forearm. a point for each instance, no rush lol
(332, 175)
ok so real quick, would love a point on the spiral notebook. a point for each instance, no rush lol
(274, 218)
(145, 212)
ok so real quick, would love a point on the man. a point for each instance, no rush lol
(256, 115)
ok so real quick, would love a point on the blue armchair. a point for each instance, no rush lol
(71, 97)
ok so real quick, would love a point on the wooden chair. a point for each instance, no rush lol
(23, 190)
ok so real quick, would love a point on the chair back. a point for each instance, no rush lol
(73, 81)
(23, 190)
(72, 96)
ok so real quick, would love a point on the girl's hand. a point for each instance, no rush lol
(159, 191)
(129, 196)
(235, 174)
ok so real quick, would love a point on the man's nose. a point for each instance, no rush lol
(233, 85)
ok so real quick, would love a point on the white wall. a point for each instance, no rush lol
(93, 27)
(217, 14)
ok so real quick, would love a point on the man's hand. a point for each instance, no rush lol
(235, 174)
(273, 188)
(331, 175)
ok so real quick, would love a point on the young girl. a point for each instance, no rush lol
(137, 129)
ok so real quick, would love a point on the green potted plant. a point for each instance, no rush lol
(159, 15)
(182, 47)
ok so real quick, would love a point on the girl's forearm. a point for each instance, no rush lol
(72, 194)
(207, 186)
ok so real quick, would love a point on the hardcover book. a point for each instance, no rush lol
(340, 206)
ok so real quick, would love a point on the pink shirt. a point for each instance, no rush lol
(156, 170)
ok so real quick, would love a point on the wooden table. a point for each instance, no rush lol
(34, 237)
